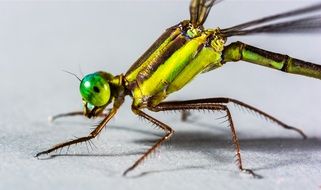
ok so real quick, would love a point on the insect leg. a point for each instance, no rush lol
(169, 132)
(208, 105)
(223, 100)
(267, 116)
(92, 135)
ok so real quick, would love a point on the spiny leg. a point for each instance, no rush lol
(223, 100)
(169, 132)
(269, 117)
(92, 135)
(206, 104)
(237, 145)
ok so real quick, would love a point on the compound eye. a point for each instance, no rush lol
(95, 89)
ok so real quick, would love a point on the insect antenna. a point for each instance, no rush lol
(73, 74)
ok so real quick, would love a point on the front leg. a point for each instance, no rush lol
(91, 135)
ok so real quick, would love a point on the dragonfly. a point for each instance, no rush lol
(181, 53)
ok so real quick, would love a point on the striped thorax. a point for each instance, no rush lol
(180, 53)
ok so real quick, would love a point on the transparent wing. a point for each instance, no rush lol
(311, 23)
(199, 10)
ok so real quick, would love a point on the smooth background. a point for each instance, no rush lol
(39, 39)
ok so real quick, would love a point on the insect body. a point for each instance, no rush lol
(185, 52)
(182, 52)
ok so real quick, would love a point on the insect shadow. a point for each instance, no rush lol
(219, 148)
(211, 145)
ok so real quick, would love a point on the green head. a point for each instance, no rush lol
(95, 89)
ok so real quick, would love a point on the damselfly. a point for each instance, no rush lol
(181, 53)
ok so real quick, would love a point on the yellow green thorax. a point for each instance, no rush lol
(200, 53)
(168, 71)
(154, 55)
(201, 62)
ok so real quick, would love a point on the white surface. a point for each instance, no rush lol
(37, 40)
